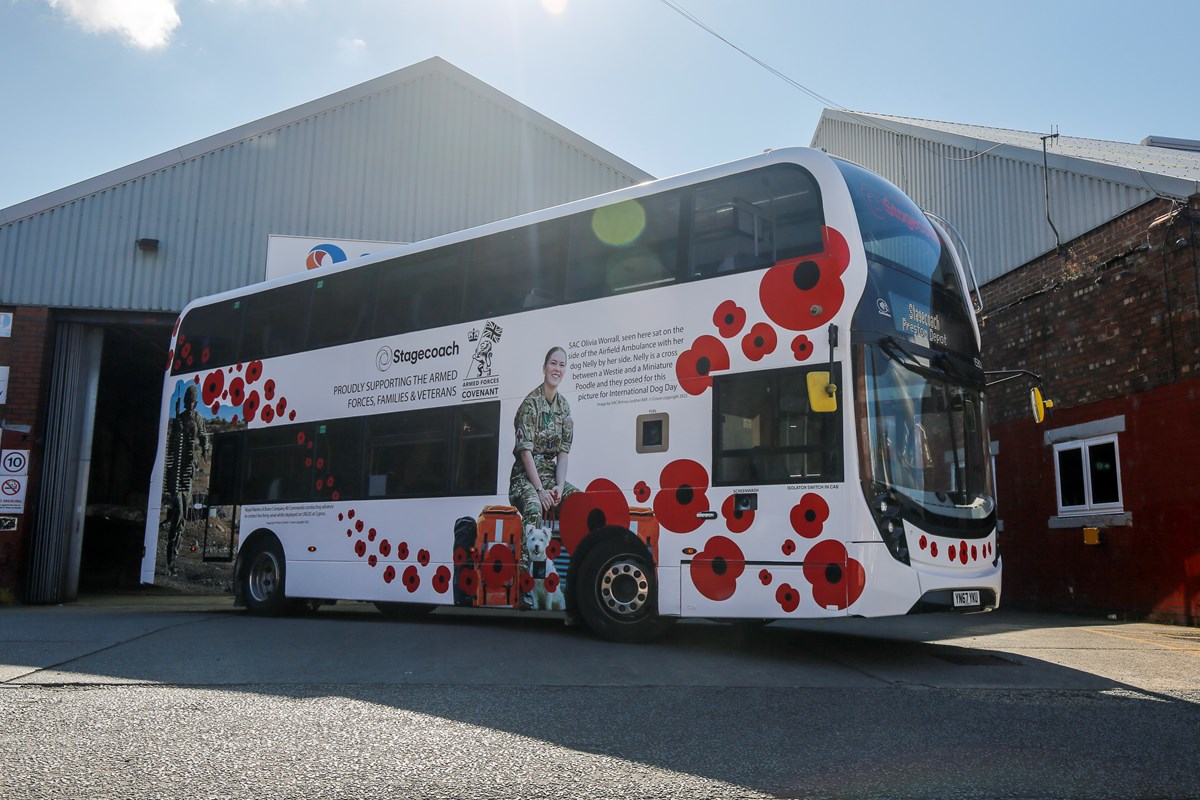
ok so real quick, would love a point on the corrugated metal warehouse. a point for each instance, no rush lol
(93, 275)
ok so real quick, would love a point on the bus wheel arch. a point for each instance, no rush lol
(614, 587)
(260, 575)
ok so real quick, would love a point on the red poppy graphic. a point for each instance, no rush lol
(320, 484)
(250, 406)
(641, 491)
(806, 292)
(837, 579)
(682, 496)
(267, 414)
(468, 581)
(269, 389)
(187, 348)
(385, 548)
(460, 556)
(175, 330)
(499, 566)
(423, 558)
(787, 597)
(371, 534)
(526, 583)
(171, 358)
(281, 406)
(716, 569)
(214, 385)
(329, 481)
(300, 437)
(336, 495)
(350, 513)
(237, 392)
(553, 549)
(253, 371)
(402, 551)
(759, 342)
(441, 579)
(372, 560)
(802, 347)
(360, 548)
(235, 419)
(765, 577)
(412, 579)
(600, 505)
(809, 515)
(215, 408)
(389, 574)
(308, 462)
(924, 542)
(358, 525)
(933, 549)
(789, 547)
(729, 319)
(953, 552)
(736, 519)
(551, 582)
(320, 463)
(695, 366)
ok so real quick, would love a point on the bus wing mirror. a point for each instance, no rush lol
(822, 393)
(1039, 404)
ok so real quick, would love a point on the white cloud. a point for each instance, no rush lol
(351, 50)
(145, 24)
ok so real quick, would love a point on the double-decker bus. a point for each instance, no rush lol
(750, 392)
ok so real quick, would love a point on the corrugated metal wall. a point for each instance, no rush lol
(996, 201)
(424, 157)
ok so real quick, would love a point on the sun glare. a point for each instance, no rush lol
(555, 6)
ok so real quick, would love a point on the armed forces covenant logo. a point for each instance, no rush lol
(481, 382)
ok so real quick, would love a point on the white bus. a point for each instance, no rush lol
(763, 385)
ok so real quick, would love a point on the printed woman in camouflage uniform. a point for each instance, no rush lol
(538, 483)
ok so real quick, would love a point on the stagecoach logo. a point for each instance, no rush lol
(882, 305)
(481, 382)
(383, 359)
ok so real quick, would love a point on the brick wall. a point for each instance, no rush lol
(1112, 324)
(27, 353)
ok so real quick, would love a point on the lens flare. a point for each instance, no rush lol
(619, 224)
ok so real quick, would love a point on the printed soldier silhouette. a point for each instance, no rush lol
(187, 443)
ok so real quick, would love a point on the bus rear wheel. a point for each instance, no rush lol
(263, 580)
(617, 594)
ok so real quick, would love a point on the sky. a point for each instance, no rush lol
(94, 85)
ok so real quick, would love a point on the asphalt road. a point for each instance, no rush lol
(162, 696)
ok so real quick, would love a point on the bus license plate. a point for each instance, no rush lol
(964, 599)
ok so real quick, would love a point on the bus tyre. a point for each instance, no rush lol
(262, 580)
(617, 594)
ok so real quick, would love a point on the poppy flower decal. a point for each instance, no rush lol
(729, 318)
(802, 347)
(787, 597)
(213, 386)
(736, 519)
(716, 569)
(600, 505)
(526, 583)
(441, 579)
(423, 558)
(551, 582)
(695, 366)
(765, 577)
(468, 581)
(641, 491)
(759, 342)
(809, 515)
(250, 406)
(803, 293)
(499, 566)
(237, 392)
(389, 574)
(837, 580)
(682, 496)
(412, 579)
(553, 549)
(254, 371)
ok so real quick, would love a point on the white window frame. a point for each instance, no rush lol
(1089, 506)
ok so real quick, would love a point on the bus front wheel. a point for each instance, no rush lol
(262, 580)
(617, 594)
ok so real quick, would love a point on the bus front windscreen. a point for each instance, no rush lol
(923, 437)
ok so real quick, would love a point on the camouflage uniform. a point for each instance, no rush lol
(545, 429)
(187, 443)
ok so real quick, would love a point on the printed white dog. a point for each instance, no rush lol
(535, 542)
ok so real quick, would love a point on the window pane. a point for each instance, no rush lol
(515, 271)
(276, 322)
(208, 337)
(1102, 464)
(478, 449)
(418, 293)
(338, 459)
(753, 220)
(1070, 478)
(278, 464)
(409, 454)
(624, 247)
(341, 309)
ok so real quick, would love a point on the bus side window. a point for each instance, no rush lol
(278, 465)
(224, 480)
(514, 271)
(341, 307)
(276, 322)
(409, 453)
(208, 337)
(337, 458)
(421, 292)
(625, 247)
(478, 448)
